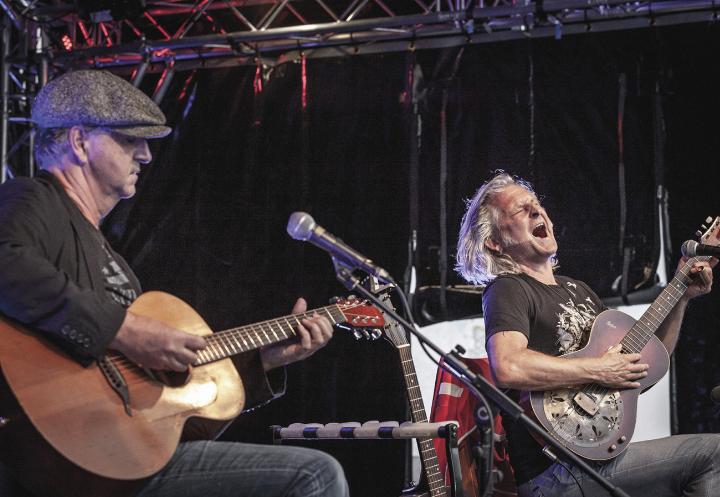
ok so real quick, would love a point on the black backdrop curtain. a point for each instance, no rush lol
(208, 223)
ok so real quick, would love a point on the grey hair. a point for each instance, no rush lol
(475, 261)
(50, 145)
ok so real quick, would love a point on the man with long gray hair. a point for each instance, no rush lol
(533, 317)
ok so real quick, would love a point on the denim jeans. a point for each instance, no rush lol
(677, 466)
(225, 469)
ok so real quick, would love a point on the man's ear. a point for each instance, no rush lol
(493, 245)
(76, 137)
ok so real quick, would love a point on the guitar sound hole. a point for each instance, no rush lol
(172, 378)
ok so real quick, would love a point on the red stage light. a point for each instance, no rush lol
(67, 43)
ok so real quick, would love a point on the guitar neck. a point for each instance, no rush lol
(223, 344)
(428, 456)
(655, 315)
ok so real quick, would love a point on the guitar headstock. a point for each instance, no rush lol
(711, 236)
(393, 331)
(362, 318)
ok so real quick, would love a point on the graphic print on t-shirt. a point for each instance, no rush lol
(117, 284)
(574, 322)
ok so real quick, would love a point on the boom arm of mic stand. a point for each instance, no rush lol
(479, 384)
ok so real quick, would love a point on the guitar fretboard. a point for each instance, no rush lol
(428, 456)
(655, 315)
(223, 344)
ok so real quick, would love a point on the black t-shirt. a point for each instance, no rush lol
(120, 282)
(556, 319)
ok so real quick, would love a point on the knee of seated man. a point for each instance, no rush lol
(706, 449)
(321, 476)
(712, 442)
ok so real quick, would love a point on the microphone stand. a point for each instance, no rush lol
(477, 384)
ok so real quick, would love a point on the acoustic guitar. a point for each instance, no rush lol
(432, 482)
(596, 422)
(114, 421)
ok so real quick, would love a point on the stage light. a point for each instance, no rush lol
(66, 43)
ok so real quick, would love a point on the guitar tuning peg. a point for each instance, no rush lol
(334, 300)
(352, 298)
(375, 333)
(703, 227)
(698, 233)
(709, 219)
(357, 334)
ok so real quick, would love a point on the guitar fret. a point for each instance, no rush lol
(217, 346)
(641, 330)
(327, 311)
(277, 339)
(254, 345)
(226, 345)
(236, 345)
(654, 320)
(218, 343)
(262, 327)
(247, 347)
(632, 339)
(288, 325)
(256, 337)
(641, 336)
(213, 350)
(202, 358)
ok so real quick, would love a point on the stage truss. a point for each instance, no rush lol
(40, 37)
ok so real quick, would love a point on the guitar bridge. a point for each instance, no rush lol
(115, 378)
(586, 403)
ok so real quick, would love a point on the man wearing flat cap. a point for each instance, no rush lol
(60, 278)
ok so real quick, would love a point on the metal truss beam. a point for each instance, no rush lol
(22, 70)
(212, 33)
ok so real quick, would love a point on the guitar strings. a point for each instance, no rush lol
(640, 333)
(642, 330)
(217, 339)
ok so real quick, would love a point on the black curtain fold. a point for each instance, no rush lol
(208, 223)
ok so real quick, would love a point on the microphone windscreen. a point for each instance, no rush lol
(689, 248)
(715, 394)
(300, 225)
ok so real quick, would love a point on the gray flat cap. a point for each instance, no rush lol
(98, 98)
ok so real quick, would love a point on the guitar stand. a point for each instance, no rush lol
(385, 430)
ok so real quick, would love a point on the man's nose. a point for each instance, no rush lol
(143, 154)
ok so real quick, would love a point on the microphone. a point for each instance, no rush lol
(691, 248)
(715, 394)
(301, 226)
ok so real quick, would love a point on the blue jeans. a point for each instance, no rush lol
(229, 469)
(681, 465)
(225, 469)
